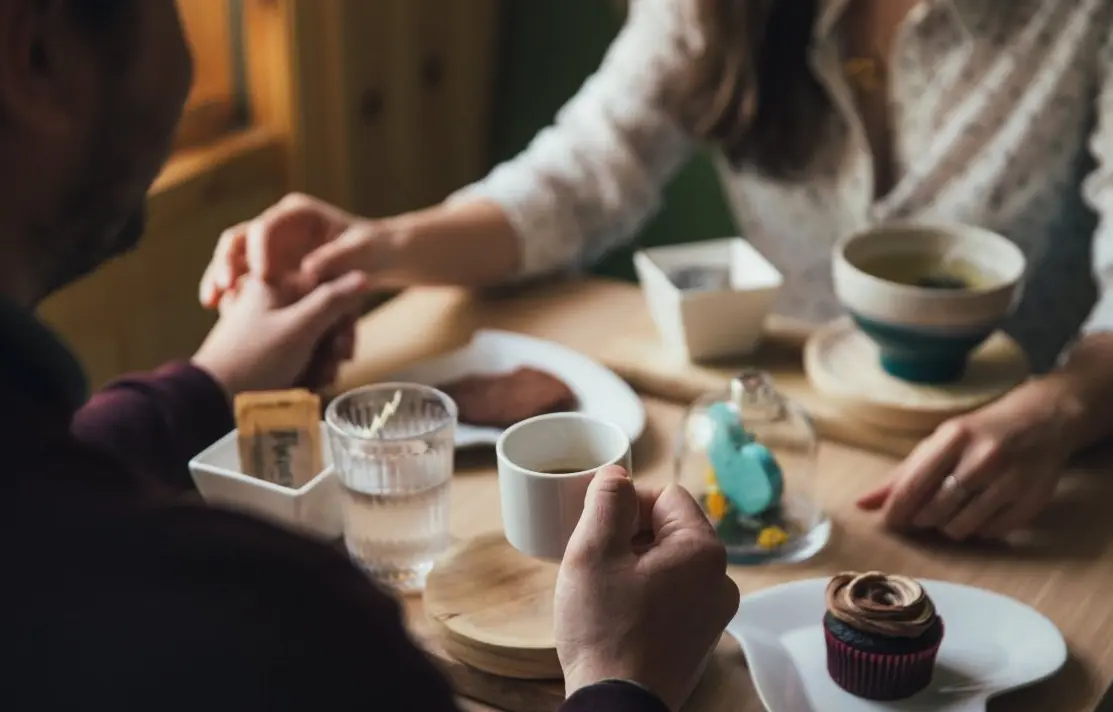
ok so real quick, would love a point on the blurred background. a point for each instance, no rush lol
(380, 106)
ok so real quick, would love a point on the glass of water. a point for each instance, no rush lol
(392, 447)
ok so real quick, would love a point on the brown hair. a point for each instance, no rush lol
(750, 91)
(102, 15)
(109, 23)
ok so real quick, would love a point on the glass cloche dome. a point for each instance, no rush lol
(748, 455)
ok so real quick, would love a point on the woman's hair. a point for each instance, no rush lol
(750, 90)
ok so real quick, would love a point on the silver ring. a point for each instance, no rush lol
(951, 484)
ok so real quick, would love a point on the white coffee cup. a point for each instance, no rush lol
(545, 466)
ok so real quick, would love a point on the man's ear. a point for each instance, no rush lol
(44, 71)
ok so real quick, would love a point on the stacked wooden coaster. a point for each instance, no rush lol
(492, 609)
(842, 365)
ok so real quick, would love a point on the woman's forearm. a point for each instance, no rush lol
(1082, 390)
(468, 244)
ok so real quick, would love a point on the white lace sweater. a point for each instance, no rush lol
(1002, 116)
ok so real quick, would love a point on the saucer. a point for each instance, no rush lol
(992, 644)
(842, 365)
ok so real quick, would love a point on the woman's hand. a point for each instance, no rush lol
(302, 241)
(273, 338)
(273, 247)
(985, 474)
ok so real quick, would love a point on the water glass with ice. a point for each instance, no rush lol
(393, 447)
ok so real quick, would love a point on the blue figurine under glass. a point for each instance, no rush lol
(732, 458)
(745, 471)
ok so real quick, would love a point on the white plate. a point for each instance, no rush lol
(599, 391)
(992, 644)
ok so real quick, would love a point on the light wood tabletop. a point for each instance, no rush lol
(1063, 568)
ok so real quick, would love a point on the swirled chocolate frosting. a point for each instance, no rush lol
(874, 602)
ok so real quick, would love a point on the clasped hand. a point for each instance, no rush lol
(300, 322)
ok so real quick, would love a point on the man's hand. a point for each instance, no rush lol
(268, 338)
(647, 614)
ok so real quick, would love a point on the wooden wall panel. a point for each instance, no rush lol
(459, 43)
(386, 104)
(414, 80)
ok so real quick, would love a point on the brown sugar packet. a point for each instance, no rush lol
(280, 436)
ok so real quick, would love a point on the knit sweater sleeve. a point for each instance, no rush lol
(587, 182)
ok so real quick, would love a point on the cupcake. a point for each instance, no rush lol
(882, 635)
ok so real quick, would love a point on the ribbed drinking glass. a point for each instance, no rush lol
(395, 477)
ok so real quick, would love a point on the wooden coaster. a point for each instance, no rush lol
(842, 364)
(492, 608)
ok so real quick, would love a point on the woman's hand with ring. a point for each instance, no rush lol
(985, 474)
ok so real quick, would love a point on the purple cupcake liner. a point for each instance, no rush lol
(879, 676)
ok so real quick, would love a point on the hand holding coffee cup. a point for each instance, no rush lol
(545, 466)
(651, 615)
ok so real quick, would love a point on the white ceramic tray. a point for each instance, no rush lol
(313, 508)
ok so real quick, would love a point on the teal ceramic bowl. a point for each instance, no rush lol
(928, 294)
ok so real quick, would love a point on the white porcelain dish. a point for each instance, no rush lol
(600, 392)
(992, 644)
(313, 508)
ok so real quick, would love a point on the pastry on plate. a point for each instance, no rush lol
(882, 634)
(503, 399)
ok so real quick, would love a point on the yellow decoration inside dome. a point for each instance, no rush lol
(711, 480)
(716, 505)
(772, 538)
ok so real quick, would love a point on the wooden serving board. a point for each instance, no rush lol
(639, 357)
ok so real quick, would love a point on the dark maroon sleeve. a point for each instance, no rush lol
(613, 696)
(154, 423)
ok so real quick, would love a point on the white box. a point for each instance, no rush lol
(313, 508)
(712, 323)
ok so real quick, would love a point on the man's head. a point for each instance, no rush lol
(90, 94)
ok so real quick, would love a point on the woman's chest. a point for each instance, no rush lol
(990, 130)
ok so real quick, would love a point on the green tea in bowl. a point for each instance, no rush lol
(929, 271)
(928, 294)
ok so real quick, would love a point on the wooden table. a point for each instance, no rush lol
(1064, 569)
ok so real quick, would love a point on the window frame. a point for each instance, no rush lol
(213, 108)
(216, 151)
(285, 53)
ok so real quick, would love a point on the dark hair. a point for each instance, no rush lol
(109, 24)
(99, 15)
(751, 92)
